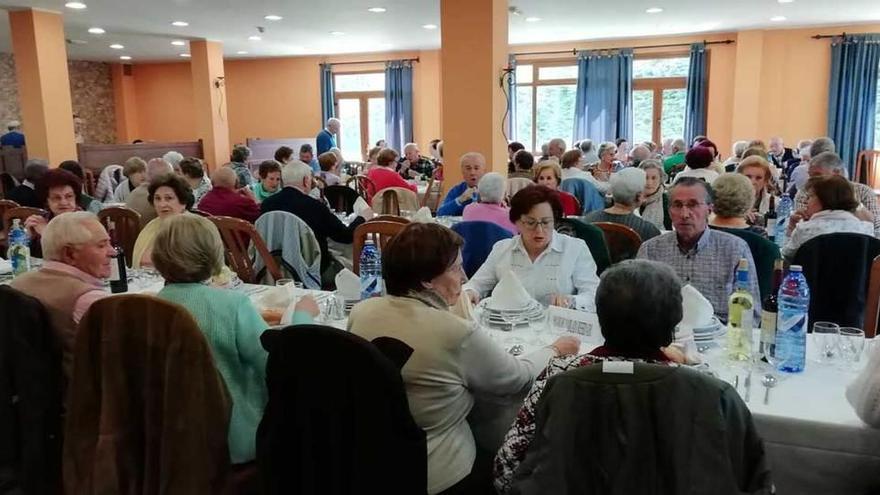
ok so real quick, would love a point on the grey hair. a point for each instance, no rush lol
(739, 148)
(586, 146)
(293, 173)
(35, 168)
(558, 142)
(187, 249)
(473, 155)
(734, 195)
(545, 148)
(679, 144)
(827, 161)
(333, 120)
(158, 167)
(173, 157)
(654, 164)
(822, 145)
(651, 286)
(492, 187)
(626, 185)
(410, 145)
(607, 145)
(694, 182)
(67, 229)
(804, 143)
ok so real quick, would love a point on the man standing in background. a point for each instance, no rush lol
(326, 139)
(13, 137)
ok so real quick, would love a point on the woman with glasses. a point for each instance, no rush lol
(555, 269)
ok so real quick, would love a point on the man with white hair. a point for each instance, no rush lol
(294, 198)
(77, 257)
(736, 155)
(628, 191)
(225, 200)
(174, 158)
(139, 200)
(779, 154)
(556, 147)
(473, 166)
(13, 136)
(326, 139)
(413, 165)
(638, 154)
(676, 159)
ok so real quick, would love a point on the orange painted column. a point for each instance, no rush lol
(209, 100)
(124, 103)
(747, 85)
(472, 57)
(43, 84)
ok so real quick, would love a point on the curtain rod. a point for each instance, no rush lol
(372, 61)
(826, 36)
(574, 51)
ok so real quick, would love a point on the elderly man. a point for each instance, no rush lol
(78, 255)
(13, 136)
(294, 198)
(702, 257)
(307, 156)
(676, 159)
(25, 194)
(779, 154)
(326, 139)
(473, 166)
(139, 199)
(638, 154)
(829, 163)
(556, 147)
(224, 200)
(628, 191)
(413, 165)
(174, 158)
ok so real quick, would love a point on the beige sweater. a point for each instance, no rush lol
(864, 392)
(452, 359)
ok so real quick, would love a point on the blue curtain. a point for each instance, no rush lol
(697, 87)
(852, 99)
(603, 104)
(511, 100)
(398, 104)
(327, 108)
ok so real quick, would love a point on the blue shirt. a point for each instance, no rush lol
(12, 138)
(450, 207)
(325, 141)
(315, 167)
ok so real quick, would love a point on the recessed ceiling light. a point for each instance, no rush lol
(75, 5)
(116, 46)
(785, 1)
(124, 57)
(653, 10)
(254, 38)
(241, 52)
(337, 33)
(180, 23)
(777, 18)
(533, 19)
(184, 55)
(377, 10)
(178, 43)
(273, 17)
(96, 30)
(429, 26)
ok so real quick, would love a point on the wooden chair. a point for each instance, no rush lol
(385, 230)
(5, 204)
(341, 198)
(867, 163)
(391, 200)
(89, 182)
(872, 305)
(200, 213)
(238, 235)
(7, 183)
(363, 185)
(390, 218)
(623, 242)
(517, 184)
(126, 224)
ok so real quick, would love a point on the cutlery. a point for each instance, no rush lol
(748, 385)
(769, 381)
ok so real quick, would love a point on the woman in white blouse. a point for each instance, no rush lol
(554, 268)
(831, 209)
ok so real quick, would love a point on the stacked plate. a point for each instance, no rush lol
(508, 318)
(709, 332)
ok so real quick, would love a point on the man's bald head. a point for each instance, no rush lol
(224, 177)
(157, 167)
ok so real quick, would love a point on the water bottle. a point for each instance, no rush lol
(371, 270)
(791, 325)
(783, 212)
(19, 249)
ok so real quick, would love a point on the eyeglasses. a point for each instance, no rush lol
(532, 224)
(690, 205)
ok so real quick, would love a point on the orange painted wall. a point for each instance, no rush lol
(164, 98)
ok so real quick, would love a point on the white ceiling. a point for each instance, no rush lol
(144, 26)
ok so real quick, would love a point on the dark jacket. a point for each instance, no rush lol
(24, 196)
(316, 215)
(658, 430)
(30, 397)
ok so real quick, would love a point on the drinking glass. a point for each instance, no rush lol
(281, 282)
(851, 344)
(826, 336)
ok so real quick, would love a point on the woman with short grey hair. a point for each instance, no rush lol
(492, 188)
(627, 189)
(607, 164)
(734, 196)
(655, 204)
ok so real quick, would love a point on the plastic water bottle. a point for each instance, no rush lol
(19, 249)
(371, 270)
(791, 325)
(783, 212)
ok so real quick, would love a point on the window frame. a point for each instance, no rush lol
(363, 98)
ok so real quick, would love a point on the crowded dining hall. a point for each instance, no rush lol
(457, 247)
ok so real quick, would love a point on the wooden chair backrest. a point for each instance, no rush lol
(127, 226)
(237, 236)
(363, 185)
(385, 230)
(89, 182)
(867, 163)
(431, 199)
(872, 306)
(623, 242)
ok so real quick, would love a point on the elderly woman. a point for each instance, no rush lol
(640, 336)
(548, 174)
(187, 252)
(86, 202)
(135, 172)
(329, 164)
(384, 173)
(193, 170)
(736, 156)
(571, 166)
(169, 195)
(655, 206)
(628, 191)
(733, 204)
(238, 162)
(759, 172)
(452, 358)
(699, 162)
(491, 207)
(555, 269)
(57, 191)
(607, 164)
(831, 207)
(371, 158)
(270, 180)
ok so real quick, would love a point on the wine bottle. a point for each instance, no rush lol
(770, 218)
(769, 310)
(118, 275)
(740, 316)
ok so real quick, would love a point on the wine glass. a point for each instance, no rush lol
(826, 336)
(851, 344)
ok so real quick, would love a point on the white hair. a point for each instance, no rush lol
(739, 148)
(410, 146)
(473, 155)
(559, 142)
(293, 173)
(67, 229)
(627, 184)
(173, 157)
(679, 145)
(158, 167)
(492, 187)
(333, 120)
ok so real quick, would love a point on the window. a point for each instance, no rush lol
(659, 97)
(360, 105)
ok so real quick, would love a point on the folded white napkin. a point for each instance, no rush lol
(5, 267)
(348, 285)
(509, 293)
(423, 215)
(359, 206)
(696, 310)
